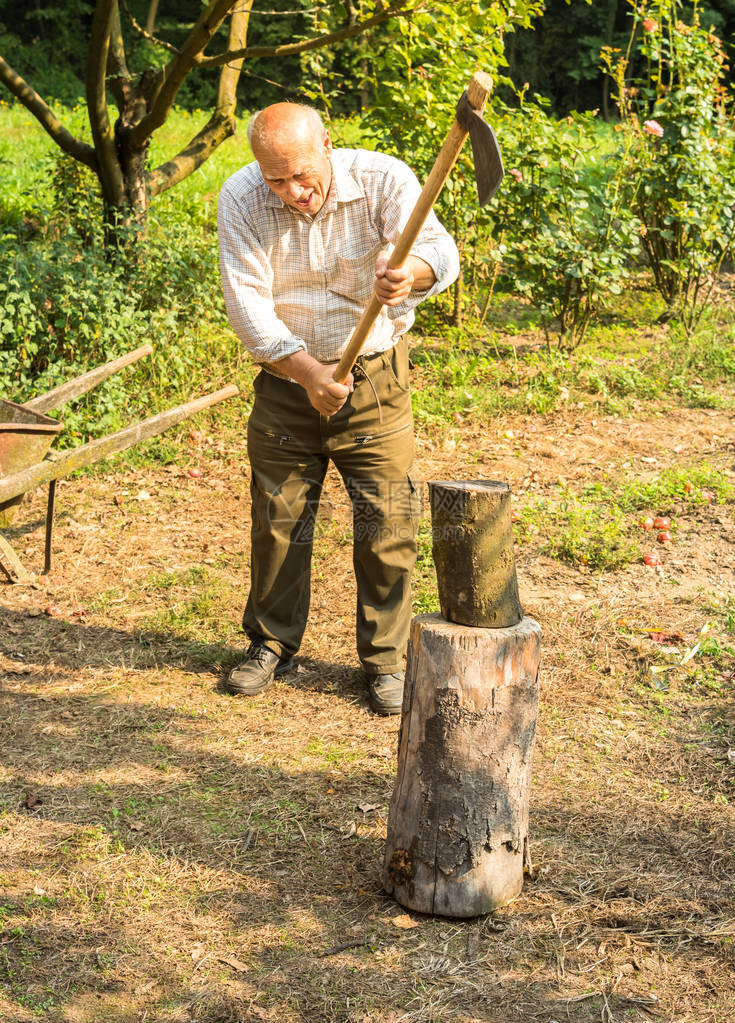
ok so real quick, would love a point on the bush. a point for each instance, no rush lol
(424, 73)
(66, 307)
(563, 231)
(677, 126)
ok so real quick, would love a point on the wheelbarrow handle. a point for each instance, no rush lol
(68, 461)
(80, 385)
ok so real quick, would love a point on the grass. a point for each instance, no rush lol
(460, 374)
(172, 854)
(598, 528)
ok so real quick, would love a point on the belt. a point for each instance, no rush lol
(362, 359)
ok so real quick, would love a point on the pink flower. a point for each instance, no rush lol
(515, 173)
(649, 25)
(653, 128)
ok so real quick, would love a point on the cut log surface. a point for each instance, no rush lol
(472, 537)
(458, 822)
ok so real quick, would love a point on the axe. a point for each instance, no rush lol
(488, 175)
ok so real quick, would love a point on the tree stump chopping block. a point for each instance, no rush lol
(458, 822)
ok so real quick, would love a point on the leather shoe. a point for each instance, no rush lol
(260, 667)
(385, 692)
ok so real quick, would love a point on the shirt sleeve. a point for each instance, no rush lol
(247, 282)
(434, 244)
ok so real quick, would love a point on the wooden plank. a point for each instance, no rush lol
(10, 563)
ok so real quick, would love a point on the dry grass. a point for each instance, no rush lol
(170, 854)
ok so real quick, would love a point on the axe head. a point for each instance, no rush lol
(485, 150)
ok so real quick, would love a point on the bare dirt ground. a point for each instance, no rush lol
(173, 854)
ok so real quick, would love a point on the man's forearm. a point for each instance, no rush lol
(423, 275)
(298, 366)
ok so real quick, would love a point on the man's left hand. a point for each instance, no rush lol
(394, 286)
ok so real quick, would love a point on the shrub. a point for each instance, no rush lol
(677, 125)
(65, 307)
(563, 230)
(418, 82)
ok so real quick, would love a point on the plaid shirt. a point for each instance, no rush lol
(293, 282)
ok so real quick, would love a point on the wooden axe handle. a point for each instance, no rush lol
(478, 91)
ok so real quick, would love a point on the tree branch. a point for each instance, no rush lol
(396, 9)
(172, 76)
(193, 155)
(145, 32)
(220, 126)
(117, 65)
(230, 75)
(104, 140)
(45, 116)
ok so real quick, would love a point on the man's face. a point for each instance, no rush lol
(298, 171)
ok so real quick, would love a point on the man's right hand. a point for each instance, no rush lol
(317, 379)
(325, 394)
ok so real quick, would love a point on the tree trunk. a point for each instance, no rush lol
(473, 552)
(458, 823)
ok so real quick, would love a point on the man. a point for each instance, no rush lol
(305, 233)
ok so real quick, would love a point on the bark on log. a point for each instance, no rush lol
(473, 553)
(458, 822)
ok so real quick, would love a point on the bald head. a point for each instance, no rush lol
(293, 151)
(282, 124)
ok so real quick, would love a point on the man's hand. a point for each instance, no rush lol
(325, 394)
(317, 379)
(394, 286)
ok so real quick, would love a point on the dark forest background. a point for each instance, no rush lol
(559, 57)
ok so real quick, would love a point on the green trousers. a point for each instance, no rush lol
(370, 441)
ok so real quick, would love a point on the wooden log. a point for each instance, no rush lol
(473, 553)
(458, 822)
(68, 461)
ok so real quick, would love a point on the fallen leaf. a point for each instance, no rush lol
(731, 756)
(38, 891)
(142, 495)
(34, 613)
(234, 964)
(197, 952)
(136, 825)
(368, 807)
(53, 611)
(31, 801)
(666, 637)
(404, 922)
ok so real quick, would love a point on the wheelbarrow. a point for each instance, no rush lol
(27, 433)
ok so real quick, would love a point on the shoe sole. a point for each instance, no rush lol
(235, 690)
(385, 710)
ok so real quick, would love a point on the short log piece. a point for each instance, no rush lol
(458, 822)
(472, 536)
